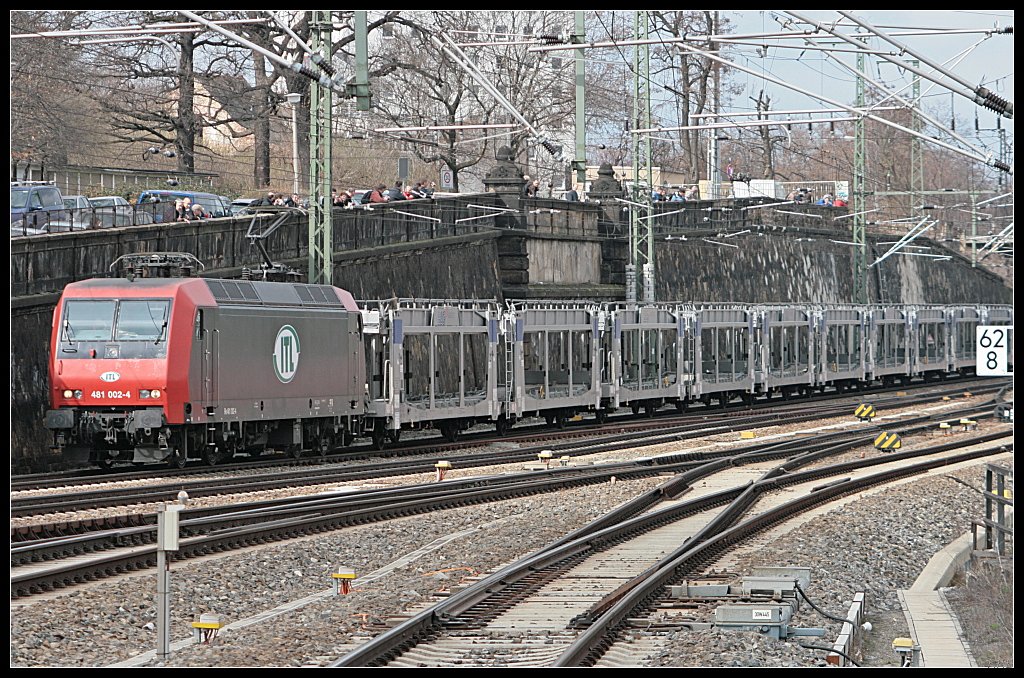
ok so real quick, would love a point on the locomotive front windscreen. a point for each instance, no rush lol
(125, 328)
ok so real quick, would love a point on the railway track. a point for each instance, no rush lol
(616, 437)
(538, 612)
(523, 435)
(129, 547)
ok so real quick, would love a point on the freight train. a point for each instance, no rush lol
(167, 369)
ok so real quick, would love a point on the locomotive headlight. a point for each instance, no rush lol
(155, 393)
(67, 393)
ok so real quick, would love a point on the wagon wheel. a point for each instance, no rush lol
(682, 406)
(635, 407)
(394, 435)
(106, 463)
(378, 438)
(295, 451)
(450, 431)
(601, 416)
(502, 425)
(649, 410)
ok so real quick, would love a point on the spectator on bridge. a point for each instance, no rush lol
(179, 211)
(527, 186)
(266, 200)
(198, 213)
(825, 200)
(378, 194)
(429, 189)
(693, 193)
(679, 195)
(532, 189)
(396, 192)
(729, 170)
(417, 191)
(571, 195)
(659, 194)
(838, 202)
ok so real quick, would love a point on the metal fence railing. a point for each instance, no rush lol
(68, 220)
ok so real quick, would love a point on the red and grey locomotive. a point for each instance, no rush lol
(156, 369)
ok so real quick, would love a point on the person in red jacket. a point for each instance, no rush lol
(378, 194)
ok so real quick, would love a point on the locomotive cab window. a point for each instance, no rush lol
(141, 320)
(138, 326)
(88, 320)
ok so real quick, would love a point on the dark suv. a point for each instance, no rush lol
(36, 207)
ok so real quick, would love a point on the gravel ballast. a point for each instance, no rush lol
(880, 545)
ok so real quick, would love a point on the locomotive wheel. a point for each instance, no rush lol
(106, 463)
(295, 451)
(393, 436)
(211, 455)
(347, 438)
(177, 459)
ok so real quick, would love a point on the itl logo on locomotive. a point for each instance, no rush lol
(286, 353)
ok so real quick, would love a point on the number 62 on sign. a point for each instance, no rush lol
(993, 344)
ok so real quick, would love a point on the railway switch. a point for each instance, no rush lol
(442, 467)
(945, 429)
(770, 619)
(343, 580)
(968, 424)
(545, 457)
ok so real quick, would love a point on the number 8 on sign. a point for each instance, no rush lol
(992, 343)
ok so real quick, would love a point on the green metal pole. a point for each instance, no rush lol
(580, 163)
(320, 105)
(860, 244)
(643, 242)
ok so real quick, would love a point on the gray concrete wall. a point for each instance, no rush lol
(779, 267)
(564, 261)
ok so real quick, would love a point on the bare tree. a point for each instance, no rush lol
(47, 90)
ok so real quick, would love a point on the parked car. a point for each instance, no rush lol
(160, 203)
(109, 201)
(239, 204)
(113, 210)
(35, 204)
(81, 215)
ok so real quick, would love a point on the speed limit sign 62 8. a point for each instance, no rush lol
(993, 345)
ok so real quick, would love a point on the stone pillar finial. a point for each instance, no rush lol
(505, 177)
